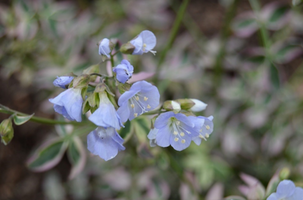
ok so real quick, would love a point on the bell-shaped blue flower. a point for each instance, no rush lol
(104, 48)
(69, 104)
(204, 125)
(62, 81)
(105, 142)
(124, 71)
(287, 190)
(141, 97)
(106, 115)
(144, 43)
(173, 129)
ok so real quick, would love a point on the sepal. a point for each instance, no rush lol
(172, 106)
(127, 48)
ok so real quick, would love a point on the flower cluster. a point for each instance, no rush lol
(93, 93)
(179, 129)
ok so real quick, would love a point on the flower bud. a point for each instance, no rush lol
(199, 105)
(171, 106)
(284, 173)
(193, 105)
(6, 131)
(127, 48)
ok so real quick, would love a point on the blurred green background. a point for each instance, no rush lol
(243, 58)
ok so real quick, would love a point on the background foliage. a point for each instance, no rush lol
(242, 58)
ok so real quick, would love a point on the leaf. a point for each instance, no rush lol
(274, 76)
(278, 14)
(273, 184)
(234, 198)
(77, 157)
(142, 128)
(296, 2)
(47, 155)
(288, 53)
(21, 119)
(245, 25)
(275, 15)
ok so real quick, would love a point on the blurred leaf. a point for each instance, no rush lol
(21, 119)
(77, 156)
(234, 198)
(296, 2)
(287, 53)
(142, 128)
(274, 76)
(273, 184)
(245, 25)
(47, 155)
(126, 130)
(277, 14)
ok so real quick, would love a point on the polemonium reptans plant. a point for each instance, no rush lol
(106, 102)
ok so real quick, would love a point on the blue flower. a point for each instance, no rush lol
(69, 104)
(104, 48)
(152, 137)
(62, 81)
(144, 43)
(204, 125)
(287, 190)
(105, 142)
(124, 71)
(141, 97)
(106, 115)
(173, 129)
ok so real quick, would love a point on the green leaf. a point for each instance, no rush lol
(278, 14)
(274, 77)
(142, 128)
(21, 119)
(47, 155)
(77, 156)
(244, 23)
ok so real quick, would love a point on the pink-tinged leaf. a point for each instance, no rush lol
(77, 157)
(215, 192)
(275, 15)
(140, 76)
(249, 180)
(47, 155)
(287, 53)
(254, 190)
(245, 24)
(186, 193)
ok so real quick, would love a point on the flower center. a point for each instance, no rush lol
(139, 101)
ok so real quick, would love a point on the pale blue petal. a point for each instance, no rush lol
(62, 81)
(149, 39)
(124, 112)
(127, 95)
(297, 195)
(184, 119)
(273, 196)
(178, 145)
(286, 188)
(163, 119)
(163, 137)
(138, 43)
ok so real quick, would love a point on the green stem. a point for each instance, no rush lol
(264, 33)
(172, 36)
(218, 69)
(6, 110)
(112, 60)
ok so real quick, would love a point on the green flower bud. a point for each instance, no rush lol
(284, 173)
(6, 131)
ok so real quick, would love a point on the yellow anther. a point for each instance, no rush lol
(132, 105)
(207, 136)
(183, 141)
(136, 114)
(178, 122)
(148, 106)
(137, 98)
(182, 134)
(175, 133)
(145, 98)
(144, 45)
(207, 127)
(176, 139)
